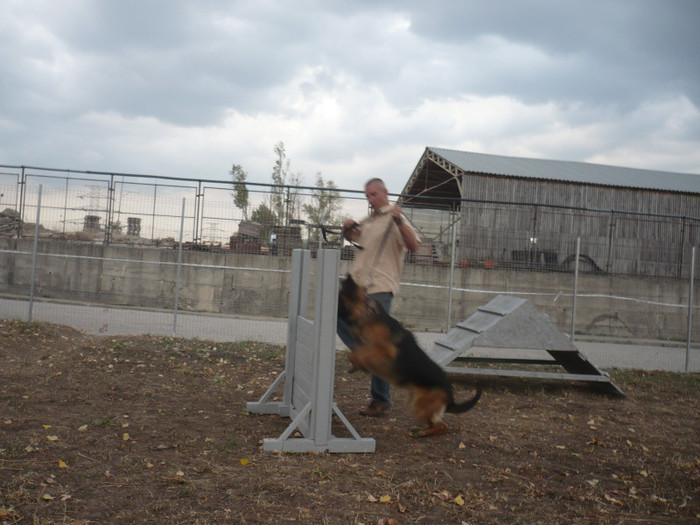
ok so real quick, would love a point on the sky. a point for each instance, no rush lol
(353, 89)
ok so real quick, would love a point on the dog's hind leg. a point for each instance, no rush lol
(429, 407)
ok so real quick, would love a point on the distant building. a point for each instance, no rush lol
(519, 212)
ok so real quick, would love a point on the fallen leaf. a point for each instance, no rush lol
(658, 499)
(8, 513)
(385, 499)
(459, 500)
(244, 461)
(46, 427)
(52, 438)
(612, 500)
(443, 495)
(126, 436)
(371, 498)
(180, 473)
(82, 428)
(48, 497)
(62, 464)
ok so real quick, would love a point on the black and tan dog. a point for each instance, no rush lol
(389, 351)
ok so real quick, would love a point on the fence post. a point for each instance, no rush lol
(22, 195)
(198, 214)
(179, 267)
(573, 307)
(110, 210)
(153, 212)
(690, 309)
(452, 274)
(36, 247)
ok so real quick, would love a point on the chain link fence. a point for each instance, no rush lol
(124, 253)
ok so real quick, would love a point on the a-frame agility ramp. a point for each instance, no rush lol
(513, 323)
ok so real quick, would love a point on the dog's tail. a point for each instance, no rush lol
(458, 408)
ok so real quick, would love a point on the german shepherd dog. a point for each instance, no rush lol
(389, 351)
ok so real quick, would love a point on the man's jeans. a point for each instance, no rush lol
(380, 389)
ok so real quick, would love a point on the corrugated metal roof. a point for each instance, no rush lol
(568, 171)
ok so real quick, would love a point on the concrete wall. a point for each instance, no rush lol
(257, 285)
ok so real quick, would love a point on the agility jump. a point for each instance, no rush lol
(309, 374)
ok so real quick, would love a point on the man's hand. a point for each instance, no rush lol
(350, 229)
(396, 215)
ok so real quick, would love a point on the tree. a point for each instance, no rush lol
(325, 205)
(285, 202)
(293, 208)
(265, 216)
(279, 177)
(240, 190)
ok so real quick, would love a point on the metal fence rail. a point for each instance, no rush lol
(166, 244)
(145, 209)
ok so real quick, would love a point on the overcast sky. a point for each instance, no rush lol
(354, 89)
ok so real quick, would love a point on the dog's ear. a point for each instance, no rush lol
(350, 284)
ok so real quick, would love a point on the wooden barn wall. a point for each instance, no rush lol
(612, 241)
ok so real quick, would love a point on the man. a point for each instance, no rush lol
(384, 236)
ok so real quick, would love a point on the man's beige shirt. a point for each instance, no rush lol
(383, 273)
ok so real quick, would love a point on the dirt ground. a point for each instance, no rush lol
(155, 430)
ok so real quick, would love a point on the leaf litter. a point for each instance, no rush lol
(544, 453)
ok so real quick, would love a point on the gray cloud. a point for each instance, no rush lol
(196, 86)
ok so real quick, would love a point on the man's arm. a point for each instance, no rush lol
(408, 234)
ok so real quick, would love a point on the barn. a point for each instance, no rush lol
(529, 213)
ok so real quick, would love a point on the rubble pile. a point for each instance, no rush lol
(9, 222)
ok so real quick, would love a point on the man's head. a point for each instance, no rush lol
(376, 193)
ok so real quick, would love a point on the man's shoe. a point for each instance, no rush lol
(375, 409)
